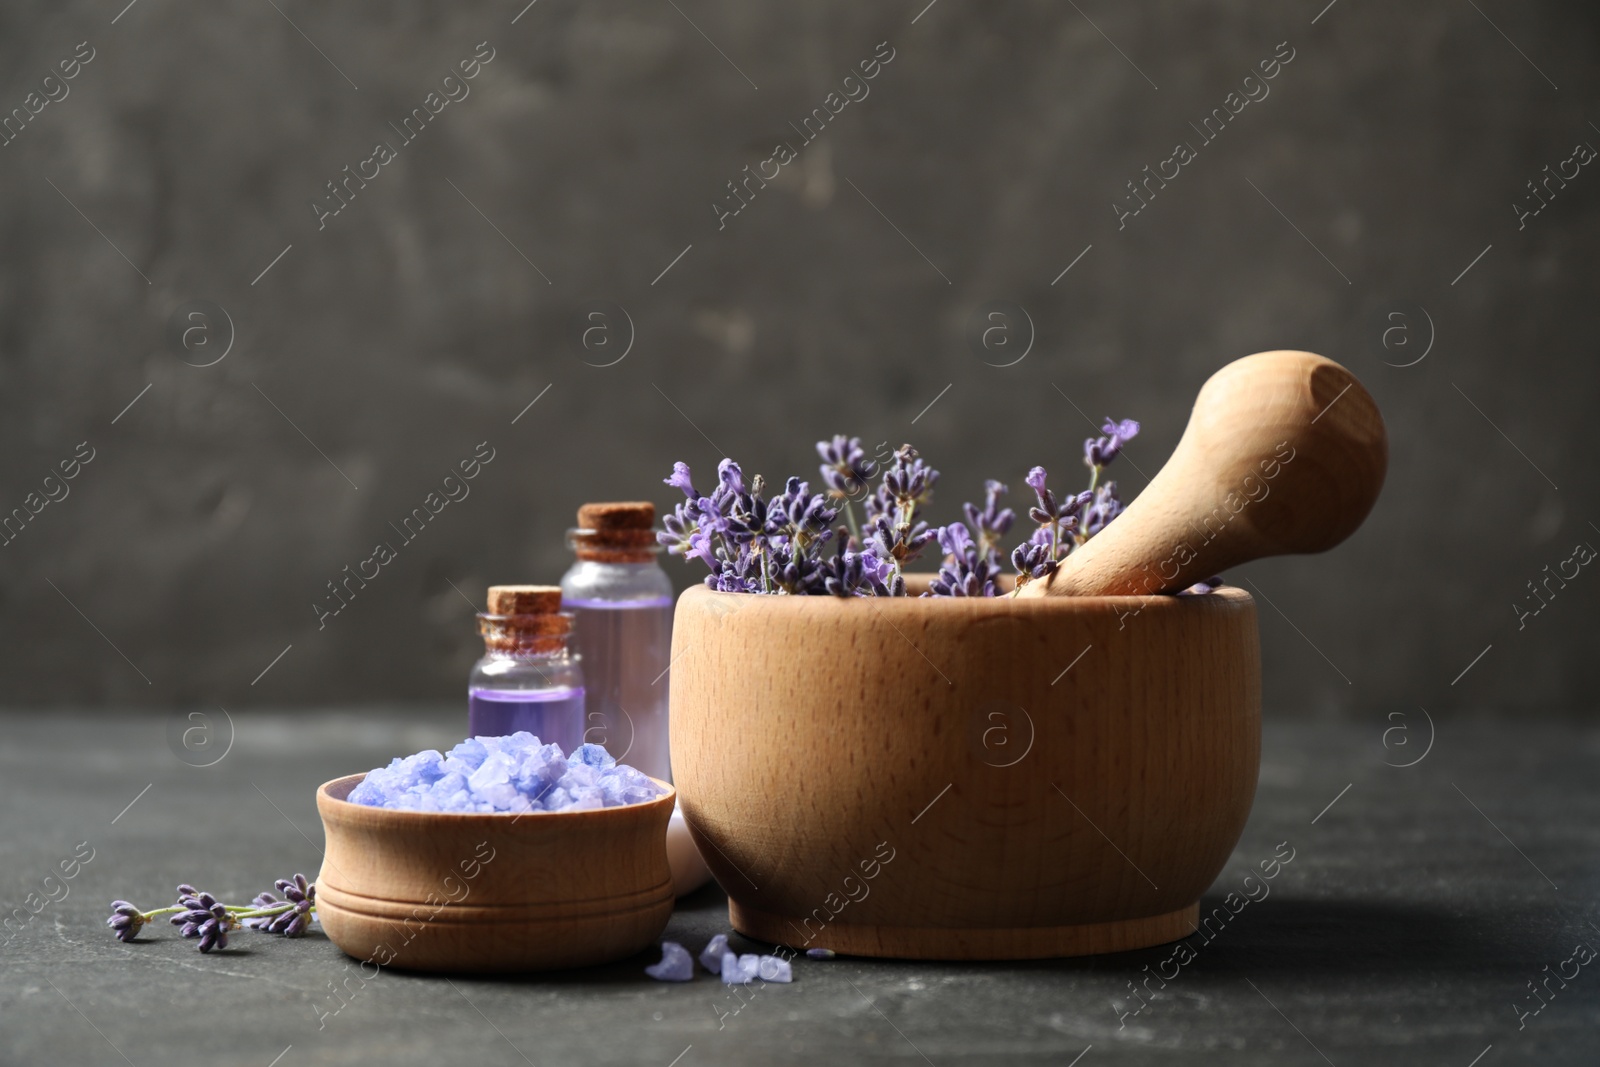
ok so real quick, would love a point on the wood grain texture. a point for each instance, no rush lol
(988, 778)
(489, 893)
(1285, 452)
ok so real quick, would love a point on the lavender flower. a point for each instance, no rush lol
(126, 920)
(1100, 451)
(992, 523)
(1032, 561)
(203, 917)
(1105, 507)
(291, 916)
(262, 901)
(909, 480)
(845, 573)
(966, 570)
(1058, 522)
(799, 516)
(752, 543)
(681, 479)
(846, 470)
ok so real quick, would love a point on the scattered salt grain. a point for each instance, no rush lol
(675, 966)
(711, 956)
(773, 969)
(742, 970)
(505, 775)
(732, 972)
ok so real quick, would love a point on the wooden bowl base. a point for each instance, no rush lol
(974, 943)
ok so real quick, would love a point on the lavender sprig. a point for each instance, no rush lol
(992, 522)
(199, 915)
(967, 570)
(752, 543)
(126, 920)
(204, 917)
(846, 471)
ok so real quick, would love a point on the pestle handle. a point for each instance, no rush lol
(1285, 452)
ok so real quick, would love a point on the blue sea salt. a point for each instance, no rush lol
(515, 774)
(773, 969)
(742, 970)
(675, 965)
(711, 955)
(732, 973)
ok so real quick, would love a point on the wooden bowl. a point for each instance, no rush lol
(965, 778)
(428, 891)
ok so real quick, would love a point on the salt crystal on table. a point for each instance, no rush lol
(675, 965)
(732, 973)
(773, 969)
(711, 955)
(742, 970)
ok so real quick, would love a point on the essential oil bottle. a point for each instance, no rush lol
(622, 601)
(528, 678)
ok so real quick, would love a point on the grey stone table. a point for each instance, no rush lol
(1420, 904)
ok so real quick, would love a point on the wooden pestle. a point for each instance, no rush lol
(1285, 452)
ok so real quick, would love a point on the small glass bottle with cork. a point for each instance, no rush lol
(528, 679)
(622, 602)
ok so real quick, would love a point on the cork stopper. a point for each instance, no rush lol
(617, 532)
(524, 599)
(625, 515)
(524, 620)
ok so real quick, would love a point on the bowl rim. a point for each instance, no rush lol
(1223, 598)
(328, 803)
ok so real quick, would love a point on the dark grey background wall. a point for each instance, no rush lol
(370, 355)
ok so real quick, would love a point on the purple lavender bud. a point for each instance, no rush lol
(845, 468)
(293, 922)
(125, 920)
(1035, 480)
(1099, 451)
(1032, 561)
(213, 935)
(213, 928)
(966, 571)
(262, 900)
(729, 474)
(680, 479)
(296, 889)
(821, 953)
(1127, 429)
(1105, 507)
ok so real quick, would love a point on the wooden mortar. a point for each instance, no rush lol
(1051, 776)
(1058, 773)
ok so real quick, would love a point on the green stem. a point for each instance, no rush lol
(1083, 512)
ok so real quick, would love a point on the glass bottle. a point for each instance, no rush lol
(528, 678)
(622, 601)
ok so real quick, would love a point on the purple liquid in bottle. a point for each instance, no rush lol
(555, 716)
